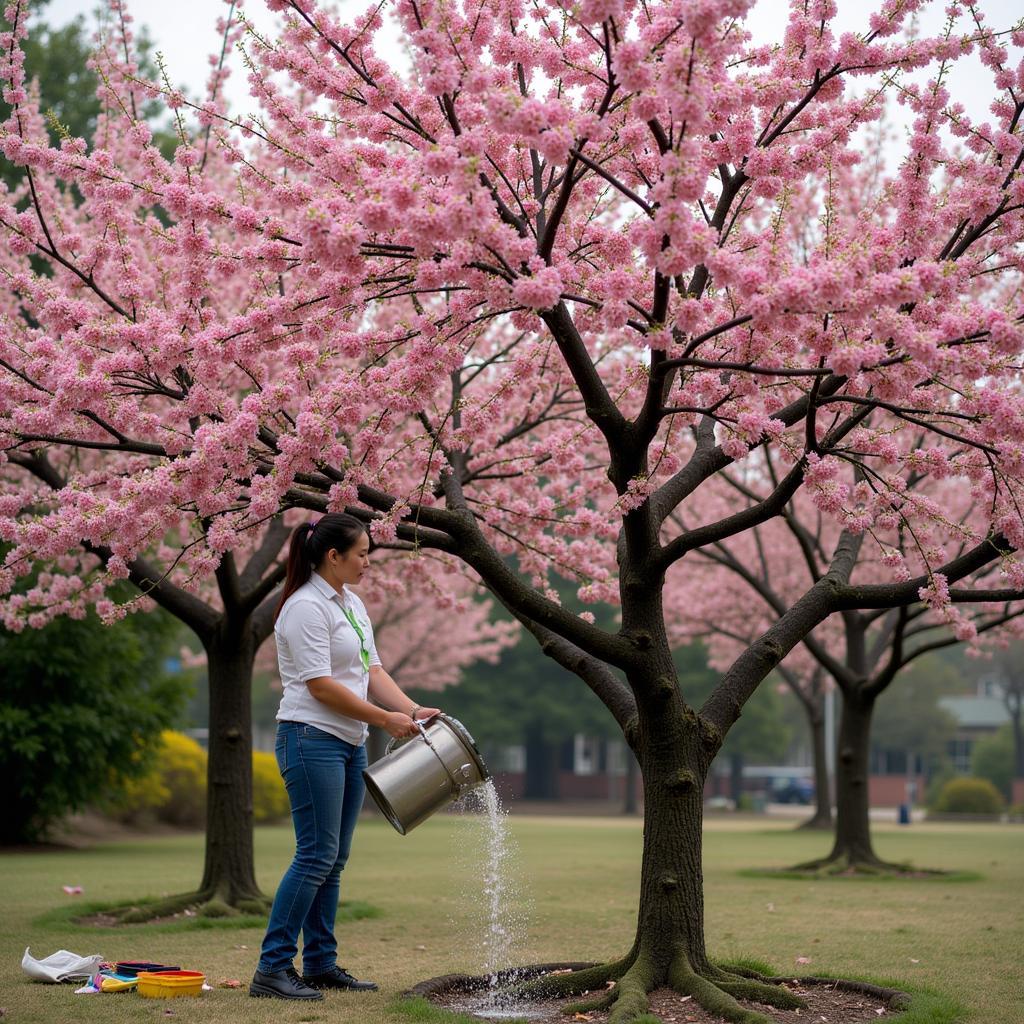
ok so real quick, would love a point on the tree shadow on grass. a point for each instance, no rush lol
(893, 873)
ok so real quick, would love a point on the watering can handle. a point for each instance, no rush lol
(395, 740)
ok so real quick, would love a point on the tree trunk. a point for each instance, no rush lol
(669, 950)
(229, 873)
(671, 916)
(822, 817)
(541, 765)
(1016, 709)
(736, 779)
(853, 847)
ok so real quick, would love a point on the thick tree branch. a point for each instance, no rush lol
(892, 595)
(725, 704)
(274, 538)
(613, 692)
(706, 462)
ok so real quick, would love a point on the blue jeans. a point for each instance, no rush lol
(324, 779)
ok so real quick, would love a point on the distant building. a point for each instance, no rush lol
(977, 717)
(589, 769)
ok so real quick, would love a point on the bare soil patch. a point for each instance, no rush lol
(827, 999)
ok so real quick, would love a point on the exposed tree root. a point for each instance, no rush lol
(202, 903)
(575, 982)
(714, 988)
(850, 864)
(748, 984)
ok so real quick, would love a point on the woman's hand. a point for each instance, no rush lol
(398, 725)
(426, 714)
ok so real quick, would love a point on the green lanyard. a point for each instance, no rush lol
(364, 654)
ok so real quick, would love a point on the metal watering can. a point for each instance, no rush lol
(420, 776)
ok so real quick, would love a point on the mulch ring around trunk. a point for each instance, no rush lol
(828, 999)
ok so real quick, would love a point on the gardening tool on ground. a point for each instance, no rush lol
(415, 779)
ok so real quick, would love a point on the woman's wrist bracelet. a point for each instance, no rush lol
(415, 708)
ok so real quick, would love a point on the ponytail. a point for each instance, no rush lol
(309, 545)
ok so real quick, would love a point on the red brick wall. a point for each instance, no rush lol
(891, 790)
(511, 785)
(1018, 791)
(883, 790)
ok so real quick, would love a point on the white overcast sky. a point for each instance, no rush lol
(184, 32)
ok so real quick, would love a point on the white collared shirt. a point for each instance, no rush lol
(314, 638)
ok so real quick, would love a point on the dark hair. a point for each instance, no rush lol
(310, 543)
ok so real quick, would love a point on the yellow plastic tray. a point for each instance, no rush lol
(170, 984)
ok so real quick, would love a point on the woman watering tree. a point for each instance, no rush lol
(334, 687)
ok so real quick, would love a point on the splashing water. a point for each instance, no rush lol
(499, 938)
(494, 896)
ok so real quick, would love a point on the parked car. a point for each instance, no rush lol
(792, 791)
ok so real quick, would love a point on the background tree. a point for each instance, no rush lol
(864, 651)
(809, 688)
(530, 306)
(226, 622)
(992, 759)
(1010, 673)
(80, 710)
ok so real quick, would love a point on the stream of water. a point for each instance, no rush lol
(496, 902)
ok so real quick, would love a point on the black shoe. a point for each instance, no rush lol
(284, 984)
(338, 977)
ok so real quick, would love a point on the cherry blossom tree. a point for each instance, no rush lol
(862, 651)
(430, 620)
(230, 608)
(519, 303)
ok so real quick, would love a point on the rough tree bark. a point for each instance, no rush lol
(822, 817)
(852, 848)
(229, 874)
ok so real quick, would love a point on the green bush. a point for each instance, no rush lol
(81, 706)
(937, 783)
(969, 796)
(992, 759)
(269, 797)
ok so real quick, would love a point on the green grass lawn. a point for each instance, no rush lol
(577, 879)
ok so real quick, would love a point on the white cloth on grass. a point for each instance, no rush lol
(60, 966)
